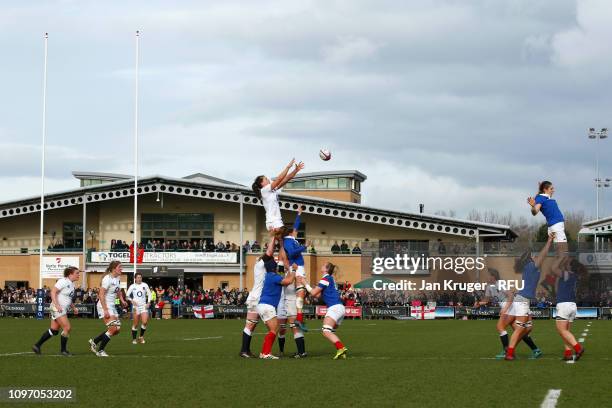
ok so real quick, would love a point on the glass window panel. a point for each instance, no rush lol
(332, 183)
(321, 184)
(343, 183)
(169, 233)
(311, 184)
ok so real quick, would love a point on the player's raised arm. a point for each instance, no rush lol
(544, 252)
(289, 277)
(558, 263)
(535, 207)
(298, 167)
(276, 183)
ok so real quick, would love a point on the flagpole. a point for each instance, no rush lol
(42, 177)
(136, 154)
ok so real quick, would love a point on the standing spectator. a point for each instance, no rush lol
(335, 248)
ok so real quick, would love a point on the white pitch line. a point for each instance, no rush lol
(586, 330)
(550, 401)
(16, 354)
(581, 340)
(204, 338)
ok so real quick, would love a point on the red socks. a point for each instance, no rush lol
(510, 351)
(567, 353)
(268, 342)
(300, 317)
(339, 345)
(577, 347)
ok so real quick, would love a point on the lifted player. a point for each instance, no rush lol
(294, 250)
(110, 287)
(139, 295)
(61, 299)
(523, 324)
(544, 203)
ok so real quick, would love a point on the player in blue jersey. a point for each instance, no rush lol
(328, 291)
(544, 203)
(268, 302)
(293, 251)
(568, 272)
(523, 324)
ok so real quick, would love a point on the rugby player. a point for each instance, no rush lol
(61, 300)
(523, 324)
(139, 295)
(109, 289)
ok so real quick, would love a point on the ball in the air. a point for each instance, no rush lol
(324, 154)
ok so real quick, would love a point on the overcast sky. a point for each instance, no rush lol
(456, 104)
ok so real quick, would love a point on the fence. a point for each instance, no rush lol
(312, 311)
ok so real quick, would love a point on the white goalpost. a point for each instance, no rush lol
(42, 176)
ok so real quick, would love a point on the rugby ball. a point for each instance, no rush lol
(324, 154)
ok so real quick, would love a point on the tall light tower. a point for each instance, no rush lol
(597, 135)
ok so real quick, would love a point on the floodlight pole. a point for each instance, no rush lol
(135, 245)
(42, 177)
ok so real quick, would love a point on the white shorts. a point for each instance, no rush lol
(55, 314)
(300, 271)
(274, 224)
(140, 309)
(566, 311)
(559, 230)
(287, 308)
(112, 311)
(266, 312)
(519, 307)
(336, 312)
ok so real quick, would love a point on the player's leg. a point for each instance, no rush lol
(64, 323)
(333, 318)
(535, 351)
(521, 324)
(502, 324)
(298, 336)
(252, 319)
(144, 319)
(47, 334)
(266, 350)
(562, 327)
(301, 288)
(113, 327)
(282, 330)
(135, 321)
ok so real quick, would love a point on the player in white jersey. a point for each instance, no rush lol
(61, 300)
(252, 318)
(287, 312)
(267, 191)
(109, 290)
(139, 295)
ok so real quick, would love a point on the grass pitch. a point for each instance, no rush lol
(391, 363)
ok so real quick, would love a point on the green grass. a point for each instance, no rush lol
(391, 363)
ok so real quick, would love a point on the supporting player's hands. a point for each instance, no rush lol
(58, 309)
(75, 310)
(123, 303)
(551, 236)
(531, 201)
(299, 166)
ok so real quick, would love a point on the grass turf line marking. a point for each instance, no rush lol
(581, 340)
(204, 338)
(16, 354)
(550, 401)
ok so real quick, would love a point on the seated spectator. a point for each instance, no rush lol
(356, 249)
(220, 247)
(312, 249)
(255, 247)
(335, 248)
(344, 248)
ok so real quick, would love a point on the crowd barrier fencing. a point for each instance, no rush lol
(314, 311)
